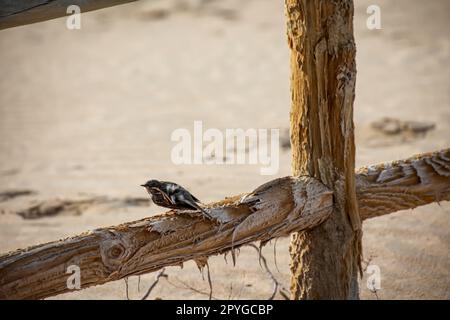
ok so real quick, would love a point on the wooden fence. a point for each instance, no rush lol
(324, 203)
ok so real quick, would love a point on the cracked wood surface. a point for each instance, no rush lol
(405, 184)
(324, 261)
(275, 209)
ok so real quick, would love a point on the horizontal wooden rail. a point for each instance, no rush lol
(275, 209)
(406, 184)
(15, 13)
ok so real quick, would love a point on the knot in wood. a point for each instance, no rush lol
(115, 252)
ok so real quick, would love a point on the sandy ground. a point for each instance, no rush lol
(89, 113)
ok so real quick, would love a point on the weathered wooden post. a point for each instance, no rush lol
(326, 255)
(325, 260)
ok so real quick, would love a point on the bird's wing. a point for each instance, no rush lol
(187, 199)
(165, 196)
(169, 187)
(182, 189)
(183, 197)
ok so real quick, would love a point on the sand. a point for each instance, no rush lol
(88, 113)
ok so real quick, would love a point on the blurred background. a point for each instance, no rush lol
(86, 116)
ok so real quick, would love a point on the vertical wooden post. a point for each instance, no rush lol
(325, 261)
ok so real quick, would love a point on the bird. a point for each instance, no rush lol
(171, 195)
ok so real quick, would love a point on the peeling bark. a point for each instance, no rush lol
(273, 210)
(324, 261)
(326, 255)
(405, 184)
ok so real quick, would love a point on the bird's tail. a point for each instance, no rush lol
(202, 210)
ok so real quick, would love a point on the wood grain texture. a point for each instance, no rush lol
(143, 246)
(275, 209)
(324, 261)
(404, 184)
(15, 13)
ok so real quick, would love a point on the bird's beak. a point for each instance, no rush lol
(143, 185)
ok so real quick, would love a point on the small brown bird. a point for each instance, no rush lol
(171, 195)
